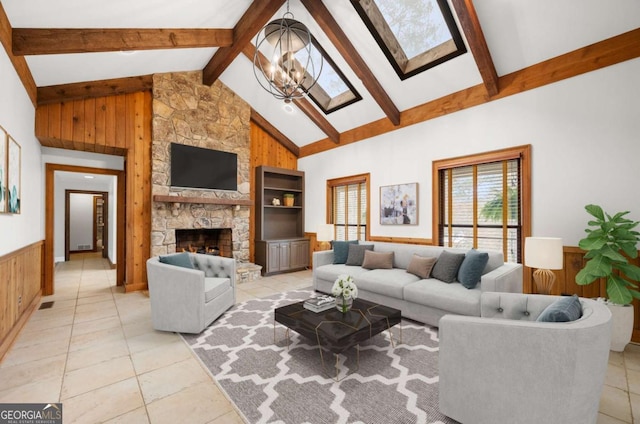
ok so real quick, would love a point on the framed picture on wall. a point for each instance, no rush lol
(399, 204)
(13, 175)
(3, 171)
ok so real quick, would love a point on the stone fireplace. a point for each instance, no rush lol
(212, 241)
(187, 112)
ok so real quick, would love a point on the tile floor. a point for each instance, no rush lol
(95, 351)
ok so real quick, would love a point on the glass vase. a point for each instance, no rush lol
(343, 304)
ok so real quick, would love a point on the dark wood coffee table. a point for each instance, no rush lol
(335, 331)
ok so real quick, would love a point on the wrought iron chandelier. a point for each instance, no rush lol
(286, 63)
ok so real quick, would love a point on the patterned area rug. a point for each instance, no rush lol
(271, 383)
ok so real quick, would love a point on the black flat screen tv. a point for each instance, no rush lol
(195, 167)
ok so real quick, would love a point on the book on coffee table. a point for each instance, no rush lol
(320, 303)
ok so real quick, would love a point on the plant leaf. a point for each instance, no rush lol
(599, 266)
(583, 277)
(617, 291)
(612, 254)
(591, 243)
(596, 211)
(635, 293)
(630, 271)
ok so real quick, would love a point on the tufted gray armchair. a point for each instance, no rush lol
(188, 300)
(505, 367)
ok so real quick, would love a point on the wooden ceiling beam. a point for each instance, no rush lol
(477, 43)
(303, 104)
(32, 41)
(339, 39)
(248, 26)
(19, 63)
(92, 89)
(596, 56)
(260, 121)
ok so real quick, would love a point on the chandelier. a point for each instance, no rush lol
(286, 64)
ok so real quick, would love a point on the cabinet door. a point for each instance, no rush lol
(273, 257)
(285, 256)
(300, 254)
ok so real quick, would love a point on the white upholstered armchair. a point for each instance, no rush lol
(188, 300)
(504, 367)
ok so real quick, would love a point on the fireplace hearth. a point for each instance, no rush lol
(210, 241)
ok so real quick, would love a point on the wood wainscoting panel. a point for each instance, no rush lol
(20, 293)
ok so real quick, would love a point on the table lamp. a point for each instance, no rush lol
(324, 235)
(545, 254)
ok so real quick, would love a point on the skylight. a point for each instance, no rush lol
(415, 35)
(332, 91)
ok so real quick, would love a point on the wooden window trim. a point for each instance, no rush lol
(519, 152)
(350, 180)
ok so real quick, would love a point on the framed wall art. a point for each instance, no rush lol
(399, 204)
(13, 175)
(3, 171)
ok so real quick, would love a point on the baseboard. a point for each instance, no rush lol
(111, 264)
(58, 259)
(15, 331)
(135, 287)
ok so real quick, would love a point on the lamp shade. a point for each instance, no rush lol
(325, 232)
(543, 252)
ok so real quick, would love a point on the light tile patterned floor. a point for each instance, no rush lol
(96, 352)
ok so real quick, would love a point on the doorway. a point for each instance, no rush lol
(86, 216)
(117, 227)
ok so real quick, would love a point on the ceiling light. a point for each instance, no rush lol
(89, 177)
(288, 108)
(286, 63)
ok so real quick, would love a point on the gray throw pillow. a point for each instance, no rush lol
(356, 253)
(565, 309)
(421, 265)
(179, 259)
(377, 260)
(341, 250)
(471, 268)
(447, 265)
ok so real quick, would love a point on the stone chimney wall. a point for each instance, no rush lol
(187, 112)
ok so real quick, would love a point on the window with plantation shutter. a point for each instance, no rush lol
(347, 205)
(470, 210)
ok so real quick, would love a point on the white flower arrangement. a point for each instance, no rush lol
(345, 287)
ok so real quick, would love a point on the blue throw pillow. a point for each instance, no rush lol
(565, 309)
(471, 269)
(179, 259)
(341, 251)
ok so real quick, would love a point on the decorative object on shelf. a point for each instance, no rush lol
(288, 199)
(345, 290)
(545, 254)
(286, 63)
(324, 235)
(13, 175)
(609, 244)
(399, 204)
(275, 201)
(319, 303)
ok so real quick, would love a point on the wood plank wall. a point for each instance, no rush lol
(20, 292)
(116, 125)
(566, 283)
(265, 150)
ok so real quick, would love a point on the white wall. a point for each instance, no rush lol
(585, 137)
(80, 221)
(17, 115)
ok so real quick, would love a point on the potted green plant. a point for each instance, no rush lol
(288, 199)
(610, 242)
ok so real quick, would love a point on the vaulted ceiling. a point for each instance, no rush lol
(80, 48)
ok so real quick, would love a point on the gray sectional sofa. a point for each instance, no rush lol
(423, 300)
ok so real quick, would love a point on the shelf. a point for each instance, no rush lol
(203, 200)
(292, 190)
(282, 207)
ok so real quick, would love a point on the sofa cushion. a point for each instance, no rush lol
(447, 266)
(565, 309)
(341, 250)
(214, 287)
(178, 259)
(471, 268)
(377, 260)
(386, 282)
(450, 297)
(331, 271)
(421, 266)
(356, 253)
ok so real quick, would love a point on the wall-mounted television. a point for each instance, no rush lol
(195, 167)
